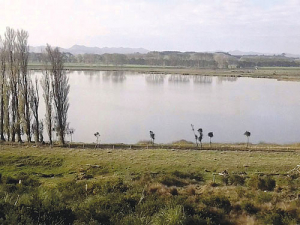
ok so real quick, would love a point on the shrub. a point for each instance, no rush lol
(233, 180)
(191, 175)
(278, 217)
(221, 202)
(173, 191)
(171, 216)
(264, 197)
(135, 219)
(190, 190)
(249, 208)
(236, 180)
(10, 180)
(262, 183)
(170, 180)
(28, 180)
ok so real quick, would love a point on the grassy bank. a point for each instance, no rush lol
(147, 186)
(280, 73)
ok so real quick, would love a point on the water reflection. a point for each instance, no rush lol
(202, 79)
(227, 79)
(155, 78)
(262, 106)
(114, 76)
(91, 72)
(179, 79)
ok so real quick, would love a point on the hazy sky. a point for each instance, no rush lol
(269, 26)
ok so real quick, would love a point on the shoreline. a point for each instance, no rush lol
(174, 147)
(278, 73)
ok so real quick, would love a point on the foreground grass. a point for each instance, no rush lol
(147, 186)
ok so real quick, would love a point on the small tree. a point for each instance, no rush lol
(195, 135)
(210, 135)
(70, 132)
(97, 135)
(200, 136)
(152, 135)
(247, 134)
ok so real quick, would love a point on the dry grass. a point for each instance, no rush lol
(159, 177)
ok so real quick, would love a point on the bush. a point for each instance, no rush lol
(28, 180)
(233, 180)
(171, 216)
(236, 180)
(249, 208)
(262, 183)
(190, 190)
(278, 217)
(191, 175)
(11, 180)
(264, 197)
(221, 202)
(170, 180)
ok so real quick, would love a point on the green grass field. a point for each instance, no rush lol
(148, 186)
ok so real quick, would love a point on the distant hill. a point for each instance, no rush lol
(238, 52)
(81, 49)
(241, 53)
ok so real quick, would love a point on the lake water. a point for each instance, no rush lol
(124, 106)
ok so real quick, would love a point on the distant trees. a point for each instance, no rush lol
(70, 132)
(152, 136)
(200, 136)
(247, 134)
(210, 135)
(195, 135)
(97, 135)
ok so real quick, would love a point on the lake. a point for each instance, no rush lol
(124, 106)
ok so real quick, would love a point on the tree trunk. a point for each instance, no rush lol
(2, 112)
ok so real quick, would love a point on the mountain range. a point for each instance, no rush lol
(240, 53)
(81, 49)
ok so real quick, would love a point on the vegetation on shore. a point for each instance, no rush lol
(43, 185)
(279, 73)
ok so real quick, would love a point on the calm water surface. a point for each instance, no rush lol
(124, 106)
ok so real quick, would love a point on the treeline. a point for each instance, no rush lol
(178, 59)
(19, 93)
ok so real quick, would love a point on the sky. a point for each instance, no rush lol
(266, 26)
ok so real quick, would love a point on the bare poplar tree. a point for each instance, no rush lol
(48, 98)
(34, 104)
(60, 88)
(10, 39)
(2, 83)
(7, 109)
(25, 80)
